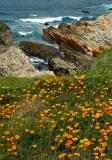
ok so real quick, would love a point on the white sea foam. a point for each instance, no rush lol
(49, 19)
(75, 18)
(24, 33)
(42, 20)
(37, 60)
(106, 6)
(33, 15)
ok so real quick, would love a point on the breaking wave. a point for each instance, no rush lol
(50, 19)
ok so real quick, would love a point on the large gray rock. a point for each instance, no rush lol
(6, 39)
(13, 62)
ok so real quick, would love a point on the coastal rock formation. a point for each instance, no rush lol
(6, 39)
(89, 38)
(57, 60)
(79, 44)
(61, 62)
(13, 62)
(39, 50)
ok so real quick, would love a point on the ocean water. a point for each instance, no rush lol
(26, 18)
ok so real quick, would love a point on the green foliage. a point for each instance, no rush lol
(14, 82)
(102, 65)
(3, 26)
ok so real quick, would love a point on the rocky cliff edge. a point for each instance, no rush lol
(13, 62)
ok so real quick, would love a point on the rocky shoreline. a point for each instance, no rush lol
(79, 44)
(13, 61)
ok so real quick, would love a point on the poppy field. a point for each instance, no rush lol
(57, 118)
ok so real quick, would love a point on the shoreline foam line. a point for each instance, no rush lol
(49, 19)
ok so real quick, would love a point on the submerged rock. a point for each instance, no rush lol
(85, 11)
(47, 23)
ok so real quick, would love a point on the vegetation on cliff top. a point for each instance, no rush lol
(102, 65)
(3, 26)
(58, 117)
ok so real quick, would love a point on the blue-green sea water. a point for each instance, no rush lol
(26, 18)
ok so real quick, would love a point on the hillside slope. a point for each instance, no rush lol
(53, 118)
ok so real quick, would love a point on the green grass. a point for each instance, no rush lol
(13, 87)
(14, 82)
(102, 65)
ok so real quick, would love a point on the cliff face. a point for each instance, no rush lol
(6, 39)
(13, 62)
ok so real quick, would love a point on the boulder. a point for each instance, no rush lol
(63, 67)
(13, 62)
(42, 51)
(60, 66)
